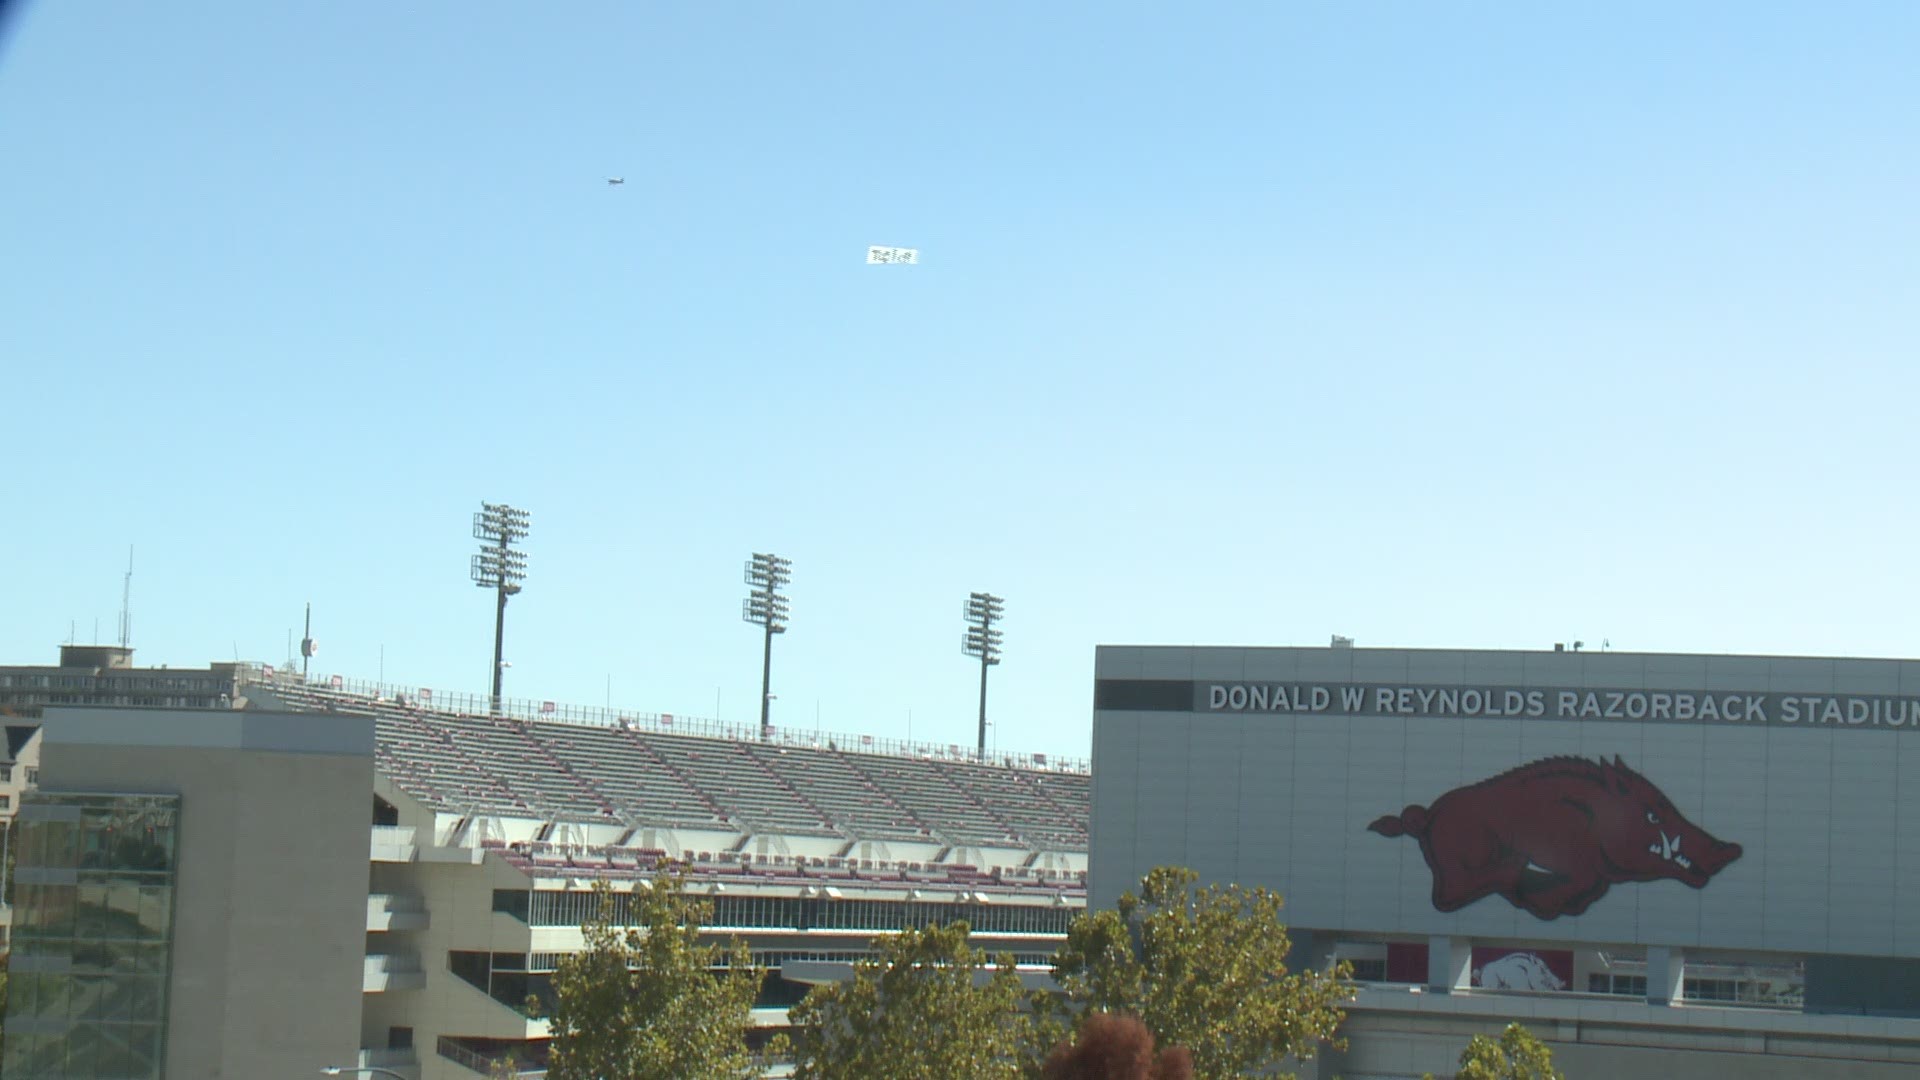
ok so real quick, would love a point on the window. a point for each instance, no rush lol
(1712, 990)
(1369, 970)
(512, 902)
(1626, 985)
(100, 931)
(574, 907)
(33, 776)
(6, 773)
(6, 802)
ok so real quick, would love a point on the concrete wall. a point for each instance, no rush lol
(270, 904)
(459, 897)
(1829, 816)
(1388, 1046)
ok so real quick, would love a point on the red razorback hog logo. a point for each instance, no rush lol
(1553, 836)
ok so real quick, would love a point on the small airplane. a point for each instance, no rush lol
(613, 180)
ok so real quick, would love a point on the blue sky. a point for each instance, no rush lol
(1246, 324)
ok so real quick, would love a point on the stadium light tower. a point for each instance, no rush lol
(983, 641)
(500, 567)
(767, 608)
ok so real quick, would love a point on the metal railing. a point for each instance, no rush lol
(457, 703)
(481, 1063)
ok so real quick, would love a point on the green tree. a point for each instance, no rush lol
(1517, 1056)
(926, 1006)
(1204, 969)
(648, 1000)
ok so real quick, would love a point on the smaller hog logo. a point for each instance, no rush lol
(1553, 836)
(1518, 971)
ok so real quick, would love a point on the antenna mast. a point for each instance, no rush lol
(126, 602)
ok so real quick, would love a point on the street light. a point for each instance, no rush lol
(360, 1070)
(983, 641)
(500, 567)
(766, 607)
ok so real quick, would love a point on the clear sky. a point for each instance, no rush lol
(1433, 325)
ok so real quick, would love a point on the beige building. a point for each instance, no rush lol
(490, 831)
(344, 874)
(182, 906)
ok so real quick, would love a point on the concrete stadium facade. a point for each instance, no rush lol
(1593, 842)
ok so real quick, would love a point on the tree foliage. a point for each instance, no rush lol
(1517, 1056)
(645, 1001)
(1111, 1047)
(925, 1006)
(1204, 969)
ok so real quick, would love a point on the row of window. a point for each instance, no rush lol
(574, 908)
(766, 958)
(125, 682)
(91, 928)
(511, 979)
(163, 701)
(1600, 982)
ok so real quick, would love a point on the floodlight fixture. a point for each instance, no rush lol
(766, 607)
(982, 640)
(501, 567)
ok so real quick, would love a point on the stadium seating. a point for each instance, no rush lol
(580, 772)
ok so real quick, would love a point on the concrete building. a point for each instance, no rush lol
(337, 873)
(1673, 864)
(489, 831)
(89, 675)
(189, 894)
(105, 675)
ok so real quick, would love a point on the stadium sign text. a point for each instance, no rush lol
(1679, 706)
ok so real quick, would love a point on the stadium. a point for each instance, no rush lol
(490, 827)
(1672, 865)
(1684, 865)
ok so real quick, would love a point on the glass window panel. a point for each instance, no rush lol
(146, 959)
(19, 1049)
(26, 912)
(82, 1044)
(56, 911)
(30, 844)
(114, 1061)
(90, 910)
(156, 913)
(116, 999)
(143, 1044)
(91, 996)
(96, 838)
(143, 998)
(50, 1001)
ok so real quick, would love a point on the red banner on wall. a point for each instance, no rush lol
(1406, 963)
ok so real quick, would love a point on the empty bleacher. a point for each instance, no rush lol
(576, 772)
(843, 792)
(631, 777)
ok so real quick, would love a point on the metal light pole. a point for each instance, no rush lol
(766, 607)
(500, 567)
(983, 641)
